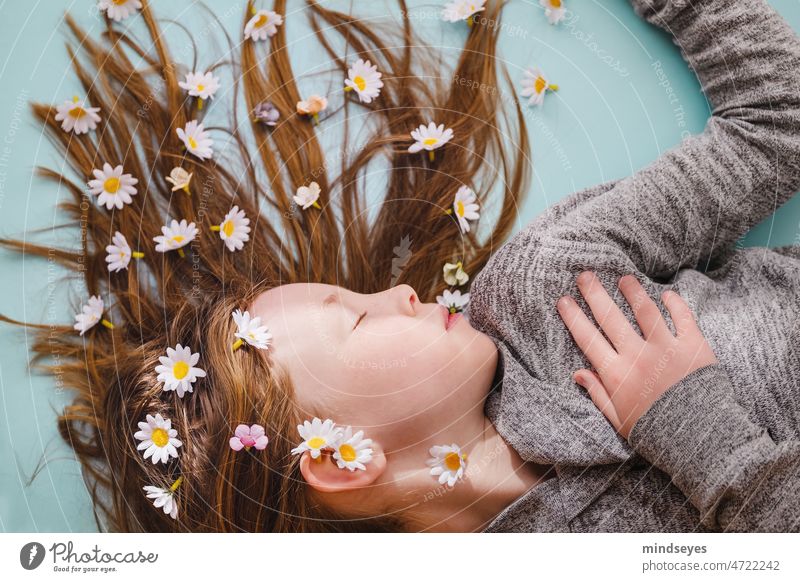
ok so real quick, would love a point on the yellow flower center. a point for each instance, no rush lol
(262, 20)
(159, 437)
(316, 442)
(348, 452)
(200, 87)
(430, 141)
(77, 112)
(541, 84)
(180, 369)
(178, 238)
(452, 461)
(227, 228)
(192, 143)
(360, 82)
(460, 208)
(555, 3)
(119, 2)
(111, 185)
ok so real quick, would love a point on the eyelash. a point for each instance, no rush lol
(360, 317)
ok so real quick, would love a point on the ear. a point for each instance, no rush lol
(323, 474)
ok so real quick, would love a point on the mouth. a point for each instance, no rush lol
(450, 319)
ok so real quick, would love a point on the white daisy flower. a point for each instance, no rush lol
(429, 138)
(159, 439)
(454, 274)
(91, 314)
(112, 187)
(76, 116)
(365, 80)
(448, 463)
(119, 9)
(176, 235)
(177, 370)
(317, 435)
(554, 10)
(165, 498)
(465, 207)
(462, 10)
(233, 229)
(200, 85)
(119, 253)
(196, 139)
(262, 25)
(351, 450)
(534, 86)
(308, 195)
(251, 331)
(454, 301)
(180, 179)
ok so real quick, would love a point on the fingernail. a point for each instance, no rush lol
(563, 302)
(585, 277)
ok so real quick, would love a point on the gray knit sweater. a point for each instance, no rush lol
(720, 450)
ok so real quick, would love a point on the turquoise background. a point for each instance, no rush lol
(611, 117)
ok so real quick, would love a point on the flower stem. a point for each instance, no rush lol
(181, 253)
(137, 255)
(237, 344)
(449, 211)
(199, 103)
(470, 21)
(186, 189)
(431, 155)
(316, 118)
(177, 483)
(107, 323)
(316, 205)
(348, 88)
(216, 228)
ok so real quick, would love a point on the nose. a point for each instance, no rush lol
(405, 298)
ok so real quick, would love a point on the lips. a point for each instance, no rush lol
(450, 319)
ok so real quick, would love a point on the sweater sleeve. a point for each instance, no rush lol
(729, 468)
(690, 206)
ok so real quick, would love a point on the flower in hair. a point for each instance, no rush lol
(454, 274)
(180, 179)
(266, 113)
(119, 9)
(177, 370)
(312, 106)
(112, 187)
(91, 314)
(365, 80)
(200, 85)
(429, 138)
(448, 462)
(465, 207)
(462, 10)
(262, 25)
(351, 451)
(308, 195)
(251, 331)
(554, 10)
(249, 436)
(76, 116)
(119, 253)
(165, 498)
(196, 139)
(453, 300)
(175, 236)
(317, 435)
(534, 85)
(234, 229)
(159, 439)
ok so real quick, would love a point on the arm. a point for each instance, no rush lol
(671, 399)
(693, 203)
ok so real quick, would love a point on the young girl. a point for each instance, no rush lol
(473, 423)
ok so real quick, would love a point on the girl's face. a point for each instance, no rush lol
(384, 362)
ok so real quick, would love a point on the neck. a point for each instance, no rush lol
(495, 477)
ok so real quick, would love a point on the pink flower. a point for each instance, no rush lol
(249, 436)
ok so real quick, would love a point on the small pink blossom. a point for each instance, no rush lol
(249, 436)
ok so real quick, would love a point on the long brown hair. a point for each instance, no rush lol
(165, 299)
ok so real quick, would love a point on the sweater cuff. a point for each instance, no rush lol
(693, 428)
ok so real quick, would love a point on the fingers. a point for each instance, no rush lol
(594, 386)
(607, 314)
(589, 339)
(649, 317)
(682, 316)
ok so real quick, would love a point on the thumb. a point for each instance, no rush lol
(597, 392)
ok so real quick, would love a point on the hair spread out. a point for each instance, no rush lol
(164, 299)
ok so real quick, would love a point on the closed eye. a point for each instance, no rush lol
(360, 317)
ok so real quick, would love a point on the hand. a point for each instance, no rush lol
(633, 372)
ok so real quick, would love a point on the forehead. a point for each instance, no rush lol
(291, 297)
